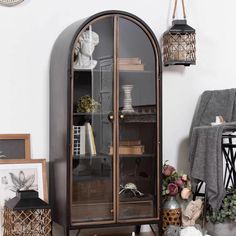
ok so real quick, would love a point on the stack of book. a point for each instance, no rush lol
(83, 140)
(129, 147)
(130, 64)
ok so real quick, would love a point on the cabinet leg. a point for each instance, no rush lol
(66, 231)
(137, 229)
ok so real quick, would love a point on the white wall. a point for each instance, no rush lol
(29, 30)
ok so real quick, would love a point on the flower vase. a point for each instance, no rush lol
(171, 212)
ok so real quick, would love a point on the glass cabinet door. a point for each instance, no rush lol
(137, 154)
(93, 131)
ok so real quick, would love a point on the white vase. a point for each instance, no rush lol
(127, 103)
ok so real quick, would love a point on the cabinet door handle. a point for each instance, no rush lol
(110, 117)
(121, 116)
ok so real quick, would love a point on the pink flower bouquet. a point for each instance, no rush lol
(174, 182)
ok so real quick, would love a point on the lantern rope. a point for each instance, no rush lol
(183, 8)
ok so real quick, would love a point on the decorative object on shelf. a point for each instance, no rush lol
(83, 140)
(130, 64)
(90, 146)
(10, 3)
(142, 114)
(130, 188)
(87, 104)
(127, 103)
(79, 140)
(27, 214)
(219, 120)
(128, 150)
(179, 43)
(84, 50)
(173, 183)
(192, 212)
(14, 146)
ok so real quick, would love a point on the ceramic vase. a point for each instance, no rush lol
(127, 103)
(171, 212)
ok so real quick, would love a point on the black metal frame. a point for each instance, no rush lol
(229, 154)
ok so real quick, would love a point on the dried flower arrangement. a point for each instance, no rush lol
(174, 182)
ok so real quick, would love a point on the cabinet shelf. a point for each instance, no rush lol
(105, 156)
(90, 113)
(109, 71)
(89, 156)
(140, 118)
(137, 155)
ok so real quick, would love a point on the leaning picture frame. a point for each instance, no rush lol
(21, 175)
(15, 146)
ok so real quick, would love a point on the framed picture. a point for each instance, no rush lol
(15, 146)
(22, 175)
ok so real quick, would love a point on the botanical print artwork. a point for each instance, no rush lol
(13, 180)
(15, 177)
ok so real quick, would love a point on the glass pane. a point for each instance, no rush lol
(137, 124)
(92, 173)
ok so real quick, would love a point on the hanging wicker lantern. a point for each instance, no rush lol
(27, 215)
(179, 42)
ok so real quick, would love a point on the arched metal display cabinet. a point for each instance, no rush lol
(105, 123)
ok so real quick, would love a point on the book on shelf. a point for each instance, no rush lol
(129, 150)
(90, 142)
(83, 140)
(130, 64)
(127, 61)
(131, 67)
(79, 140)
(130, 142)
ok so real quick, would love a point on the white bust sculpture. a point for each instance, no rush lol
(84, 50)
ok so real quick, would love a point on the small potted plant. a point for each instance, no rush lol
(87, 104)
(223, 221)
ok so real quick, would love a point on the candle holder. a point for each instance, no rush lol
(27, 215)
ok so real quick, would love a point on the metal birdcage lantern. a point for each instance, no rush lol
(179, 42)
(27, 215)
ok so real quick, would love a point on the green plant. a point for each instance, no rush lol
(87, 104)
(227, 210)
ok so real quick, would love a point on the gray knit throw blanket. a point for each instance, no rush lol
(206, 160)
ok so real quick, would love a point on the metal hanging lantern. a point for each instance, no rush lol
(27, 215)
(179, 42)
